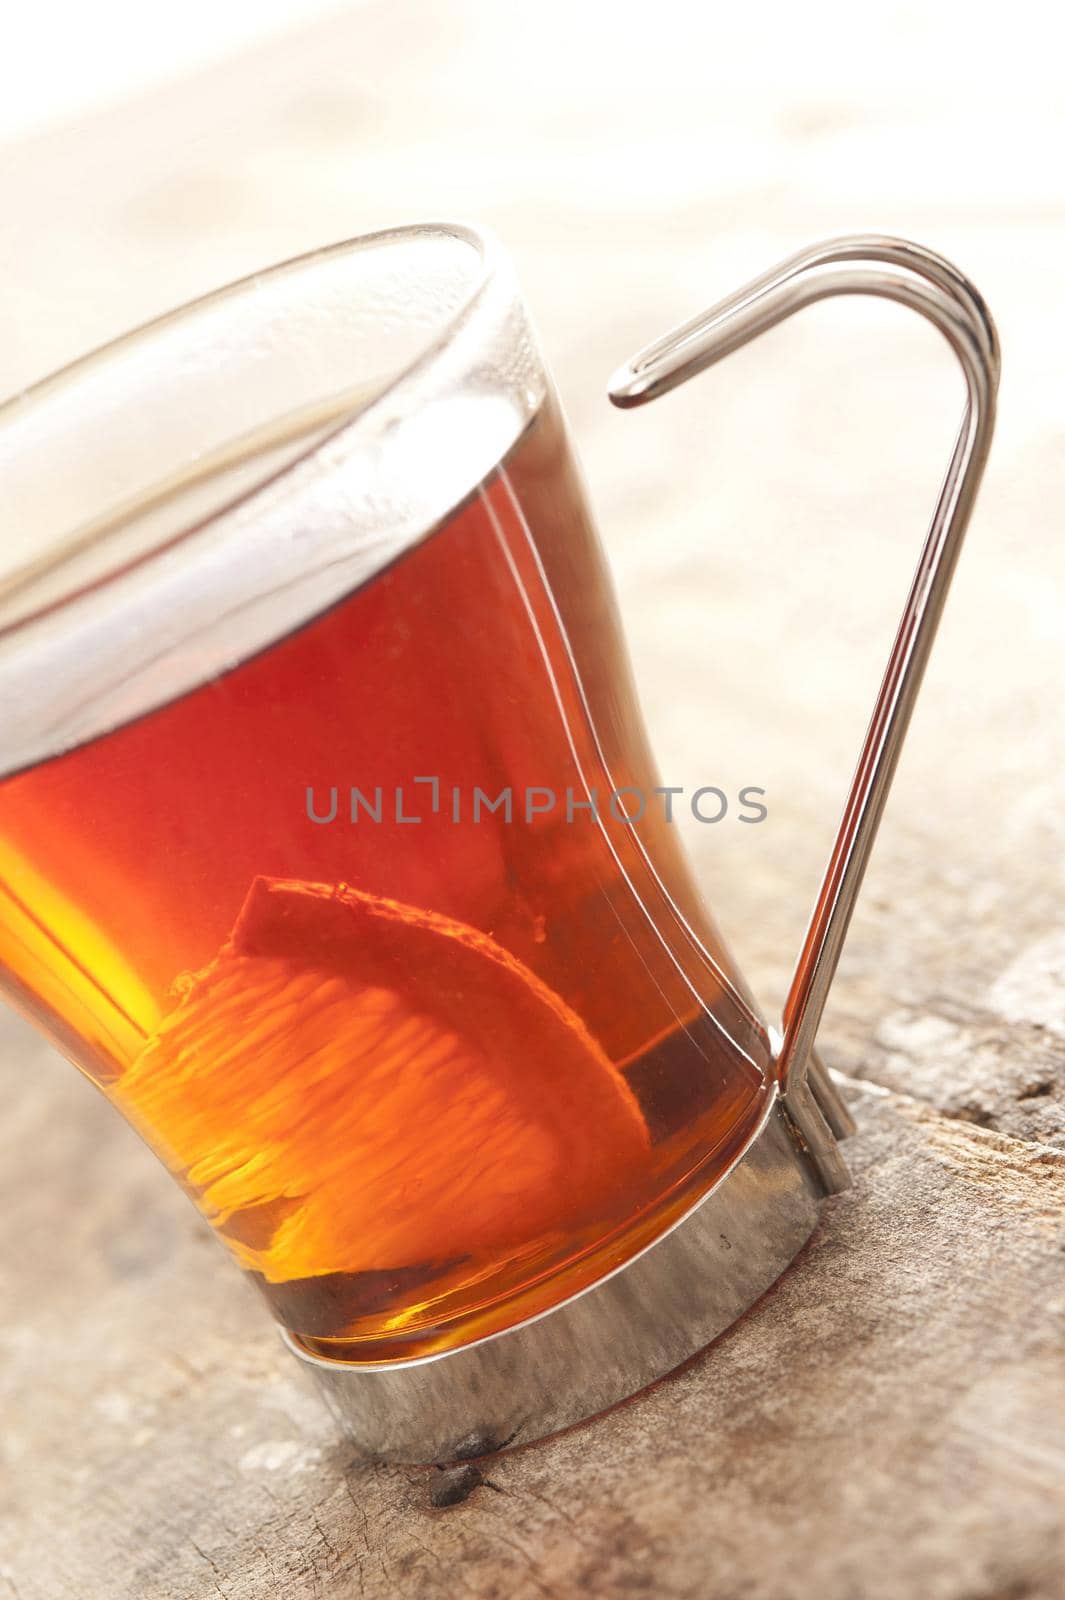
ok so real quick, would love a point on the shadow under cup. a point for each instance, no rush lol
(329, 845)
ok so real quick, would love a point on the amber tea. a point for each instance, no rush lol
(422, 1070)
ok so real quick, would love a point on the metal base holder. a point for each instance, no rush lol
(668, 1302)
(603, 1344)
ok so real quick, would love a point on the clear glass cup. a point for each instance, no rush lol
(332, 849)
(330, 846)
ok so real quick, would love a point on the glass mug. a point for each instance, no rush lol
(329, 843)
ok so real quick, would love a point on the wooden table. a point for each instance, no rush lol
(890, 1419)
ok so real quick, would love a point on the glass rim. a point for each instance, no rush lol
(454, 330)
(386, 399)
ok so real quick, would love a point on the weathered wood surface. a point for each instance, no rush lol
(886, 1422)
(891, 1419)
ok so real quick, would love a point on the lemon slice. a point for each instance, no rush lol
(357, 1085)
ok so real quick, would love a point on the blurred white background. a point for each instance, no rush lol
(62, 60)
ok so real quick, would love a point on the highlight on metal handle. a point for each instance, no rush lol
(896, 270)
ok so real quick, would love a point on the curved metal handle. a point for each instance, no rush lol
(905, 272)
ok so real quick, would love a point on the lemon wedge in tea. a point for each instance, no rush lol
(354, 1084)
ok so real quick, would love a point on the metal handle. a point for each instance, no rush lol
(896, 270)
